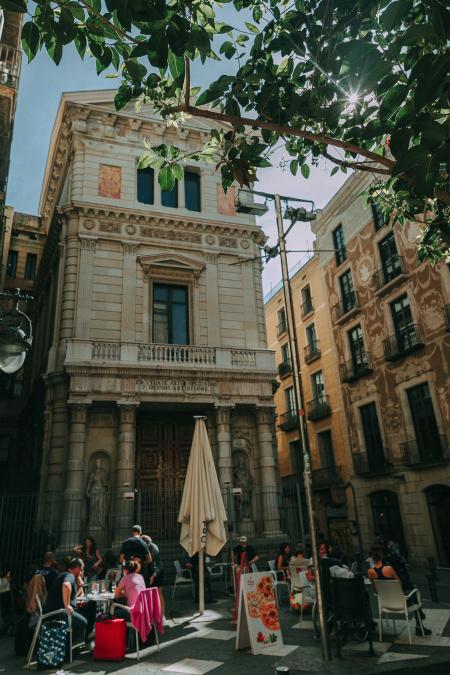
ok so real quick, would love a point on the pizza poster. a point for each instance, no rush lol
(258, 618)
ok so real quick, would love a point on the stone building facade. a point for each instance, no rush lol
(10, 62)
(322, 401)
(391, 333)
(153, 313)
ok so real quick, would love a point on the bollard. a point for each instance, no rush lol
(431, 576)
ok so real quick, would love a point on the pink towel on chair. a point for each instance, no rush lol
(147, 611)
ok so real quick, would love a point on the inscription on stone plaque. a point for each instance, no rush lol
(175, 386)
(172, 235)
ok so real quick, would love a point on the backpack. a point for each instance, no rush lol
(52, 644)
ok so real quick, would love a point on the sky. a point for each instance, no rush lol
(40, 89)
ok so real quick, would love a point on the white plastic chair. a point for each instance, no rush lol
(130, 624)
(254, 568)
(183, 578)
(391, 600)
(42, 617)
(216, 571)
(277, 581)
(299, 583)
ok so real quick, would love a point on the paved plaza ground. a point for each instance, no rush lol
(196, 645)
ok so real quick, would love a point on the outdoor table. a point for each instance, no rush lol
(103, 599)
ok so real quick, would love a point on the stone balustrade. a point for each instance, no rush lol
(183, 356)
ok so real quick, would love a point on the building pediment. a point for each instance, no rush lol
(171, 261)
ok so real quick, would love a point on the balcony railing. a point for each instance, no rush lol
(353, 369)
(420, 454)
(281, 328)
(365, 464)
(288, 420)
(10, 60)
(327, 476)
(394, 270)
(312, 351)
(307, 307)
(184, 357)
(404, 342)
(318, 408)
(347, 305)
(285, 368)
(447, 316)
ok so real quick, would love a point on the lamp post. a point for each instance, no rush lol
(16, 335)
(298, 214)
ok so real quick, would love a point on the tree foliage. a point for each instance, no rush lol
(363, 83)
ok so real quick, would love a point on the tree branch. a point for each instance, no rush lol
(356, 165)
(105, 21)
(287, 130)
(187, 82)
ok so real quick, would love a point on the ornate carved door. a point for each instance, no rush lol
(162, 455)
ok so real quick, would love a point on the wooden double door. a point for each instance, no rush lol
(162, 455)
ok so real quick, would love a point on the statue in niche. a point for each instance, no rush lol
(97, 493)
(242, 478)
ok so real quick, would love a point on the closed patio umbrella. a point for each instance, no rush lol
(202, 513)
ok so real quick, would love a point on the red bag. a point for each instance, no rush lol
(110, 640)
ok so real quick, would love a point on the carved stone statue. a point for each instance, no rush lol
(242, 478)
(97, 492)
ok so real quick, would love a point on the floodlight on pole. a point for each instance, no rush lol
(16, 334)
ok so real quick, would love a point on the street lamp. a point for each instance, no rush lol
(16, 335)
(299, 214)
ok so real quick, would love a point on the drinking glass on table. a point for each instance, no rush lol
(95, 588)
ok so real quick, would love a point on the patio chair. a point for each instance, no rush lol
(351, 607)
(216, 571)
(183, 578)
(41, 618)
(279, 579)
(391, 600)
(130, 624)
(298, 584)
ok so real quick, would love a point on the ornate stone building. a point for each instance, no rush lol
(390, 318)
(152, 312)
(322, 401)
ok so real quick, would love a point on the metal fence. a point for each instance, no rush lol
(31, 524)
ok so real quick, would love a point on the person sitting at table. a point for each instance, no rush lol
(283, 558)
(298, 560)
(90, 555)
(63, 595)
(129, 587)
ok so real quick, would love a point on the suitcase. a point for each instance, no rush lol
(52, 644)
(110, 640)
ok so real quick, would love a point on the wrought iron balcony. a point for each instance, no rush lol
(353, 369)
(318, 408)
(10, 60)
(288, 420)
(285, 368)
(312, 351)
(447, 316)
(365, 464)
(327, 476)
(394, 271)
(404, 342)
(307, 307)
(281, 328)
(347, 306)
(418, 454)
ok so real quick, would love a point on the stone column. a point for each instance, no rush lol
(73, 494)
(225, 461)
(84, 299)
(269, 483)
(125, 472)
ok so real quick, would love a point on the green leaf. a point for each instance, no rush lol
(257, 13)
(294, 167)
(55, 51)
(394, 14)
(30, 39)
(178, 171)
(80, 43)
(76, 10)
(166, 178)
(123, 96)
(251, 27)
(305, 170)
(201, 41)
(158, 49)
(176, 67)
(334, 170)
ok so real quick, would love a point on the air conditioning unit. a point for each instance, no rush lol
(245, 203)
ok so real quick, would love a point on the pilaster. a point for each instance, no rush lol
(212, 300)
(129, 279)
(268, 473)
(125, 471)
(84, 300)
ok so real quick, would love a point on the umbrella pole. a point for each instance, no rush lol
(201, 581)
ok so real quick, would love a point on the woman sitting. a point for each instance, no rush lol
(282, 560)
(90, 555)
(130, 585)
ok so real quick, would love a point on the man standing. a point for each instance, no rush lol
(47, 569)
(63, 595)
(134, 548)
(244, 553)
